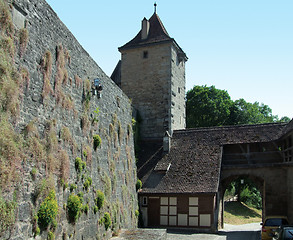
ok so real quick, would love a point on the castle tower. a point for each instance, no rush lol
(152, 74)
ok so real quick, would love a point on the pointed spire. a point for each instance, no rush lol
(155, 5)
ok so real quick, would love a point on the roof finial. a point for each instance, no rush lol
(155, 7)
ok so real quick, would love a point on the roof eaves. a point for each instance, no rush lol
(143, 44)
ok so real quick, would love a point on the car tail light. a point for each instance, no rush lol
(263, 229)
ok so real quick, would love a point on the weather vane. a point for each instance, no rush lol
(155, 7)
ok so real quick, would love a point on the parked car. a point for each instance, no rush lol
(270, 225)
(284, 233)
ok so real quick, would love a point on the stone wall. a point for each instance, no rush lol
(147, 81)
(58, 119)
(177, 91)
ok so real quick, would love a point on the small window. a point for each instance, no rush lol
(179, 90)
(145, 54)
(144, 201)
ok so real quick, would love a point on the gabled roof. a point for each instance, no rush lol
(196, 154)
(157, 34)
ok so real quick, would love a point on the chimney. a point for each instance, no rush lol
(145, 27)
(167, 142)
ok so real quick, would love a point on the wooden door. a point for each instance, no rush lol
(153, 212)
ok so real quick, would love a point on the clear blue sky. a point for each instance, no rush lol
(242, 46)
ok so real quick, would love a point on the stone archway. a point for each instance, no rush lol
(271, 181)
(259, 183)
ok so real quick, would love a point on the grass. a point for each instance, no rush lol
(239, 213)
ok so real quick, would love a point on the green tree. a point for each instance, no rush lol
(207, 106)
(243, 112)
(246, 191)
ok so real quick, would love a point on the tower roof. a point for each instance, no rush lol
(157, 34)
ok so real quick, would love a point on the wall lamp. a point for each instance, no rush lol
(97, 88)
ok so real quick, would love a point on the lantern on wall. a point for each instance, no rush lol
(97, 88)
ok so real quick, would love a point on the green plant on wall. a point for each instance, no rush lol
(79, 164)
(23, 40)
(96, 114)
(99, 200)
(72, 187)
(7, 214)
(97, 141)
(87, 183)
(48, 210)
(107, 220)
(138, 184)
(74, 207)
(51, 236)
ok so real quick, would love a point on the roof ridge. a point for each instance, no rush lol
(199, 129)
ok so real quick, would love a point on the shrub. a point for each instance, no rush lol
(43, 188)
(87, 153)
(34, 173)
(48, 210)
(66, 135)
(46, 65)
(72, 187)
(7, 215)
(37, 231)
(87, 183)
(86, 208)
(51, 236)
(96, 209)
(97, 141)
(74, 207)
(65, 186)
(64, 165)
(23, 40)
(80, 195)
(99, 200)
(96, 115)
(138, 184)
(107, 220)
(136, 213)
(78, 81)
(83, 165)
(84, 153)
(5, 18)
(79, 164)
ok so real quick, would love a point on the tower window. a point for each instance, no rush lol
(145, 54)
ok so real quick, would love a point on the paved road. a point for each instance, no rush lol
(230, 232)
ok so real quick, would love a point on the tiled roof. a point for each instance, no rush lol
(195, 157)
(157, 34)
